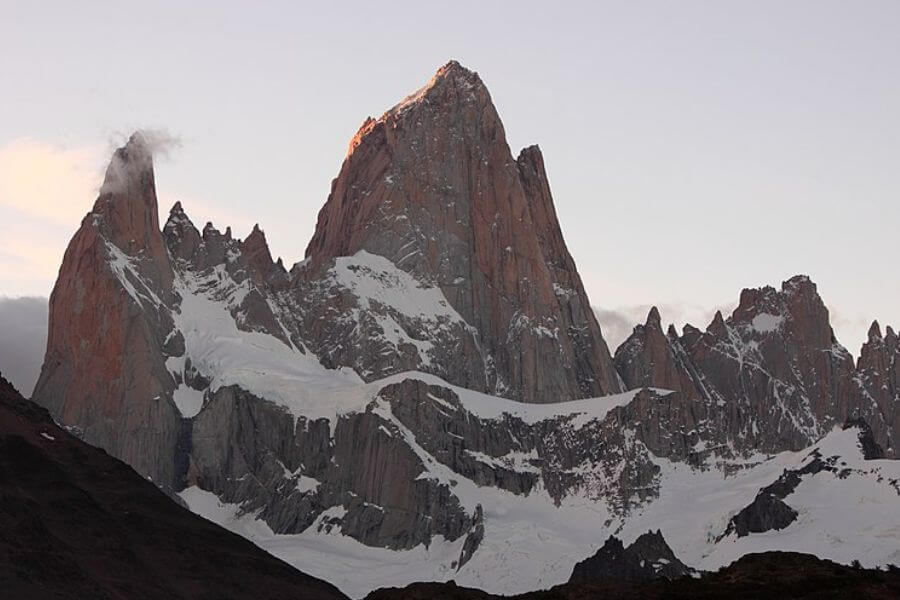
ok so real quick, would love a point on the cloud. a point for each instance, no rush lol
(45, 190)
(618, 324)
(23, 322)
(48, 181)
(850, 329)
(160, 142)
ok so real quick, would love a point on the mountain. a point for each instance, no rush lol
(77, 523)
(432, 187)
(109, 329)
(772, 376)
(427, 395)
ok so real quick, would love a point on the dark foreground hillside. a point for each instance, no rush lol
(766, 575)
(78, 523)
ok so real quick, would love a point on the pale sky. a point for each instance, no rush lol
(693, 148)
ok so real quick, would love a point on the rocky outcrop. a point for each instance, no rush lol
(473, 539)
(292, 472)
(767, 512)
(558, 453)
(651, 358)
(876, 392)
(871, 450)
(382, 467)
(364, 313)
(110, 327)
(771, 377)
(432, 187)
(647, 558)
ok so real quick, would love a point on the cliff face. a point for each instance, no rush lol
(772, 374)
(110, 327)
(875, 397)
(432, 187)
(651, 358)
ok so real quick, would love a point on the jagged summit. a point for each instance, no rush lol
(874, 331)
(454, 69)
(452, 82)
(126, 208)
(433, 188)
(134, 159)
(776, 358)
(799, 283)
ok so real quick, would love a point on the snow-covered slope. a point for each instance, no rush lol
(532, 535)
(531, 543)
(845, 513)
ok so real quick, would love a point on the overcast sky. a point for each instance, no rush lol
(693, 148)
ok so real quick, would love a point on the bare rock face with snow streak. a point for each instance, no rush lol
(876, 392)
(651, 358)
(110, 327)
(771, 377)
(432, 187)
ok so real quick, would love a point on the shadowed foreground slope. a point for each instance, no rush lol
(763, 575)
(78, 523)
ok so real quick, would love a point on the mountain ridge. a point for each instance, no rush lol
(430, 384)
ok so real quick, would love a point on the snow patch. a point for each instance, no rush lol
(188, 400)
(767, 323)
(307, 484)
(375, 279)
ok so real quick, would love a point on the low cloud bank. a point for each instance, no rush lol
(23, 322)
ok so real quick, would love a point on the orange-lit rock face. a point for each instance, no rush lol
(432, 187)
(104, 368)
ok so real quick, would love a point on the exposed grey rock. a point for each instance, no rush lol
(648, 558)
(870, 448)
(473, 539)
(875, 397)
(766, 513)
(771, 377)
